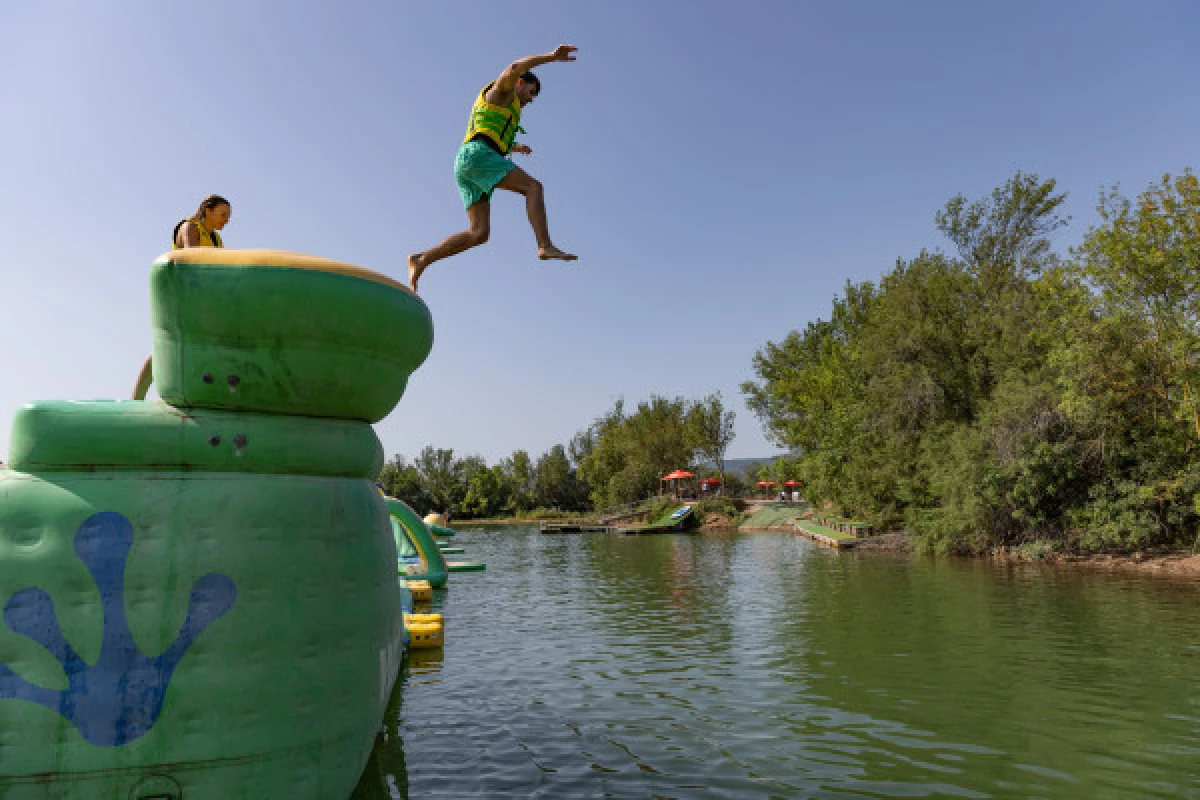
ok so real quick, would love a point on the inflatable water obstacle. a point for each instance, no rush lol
(422, 567)
(425, 630)
(426, 562)
(465, 566)
(438, 525)
(199, 598)
(420, 557)
(420, 590)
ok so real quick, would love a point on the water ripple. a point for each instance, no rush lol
(759, 666)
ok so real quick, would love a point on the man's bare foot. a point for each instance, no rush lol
(415, 268)
(550, 251)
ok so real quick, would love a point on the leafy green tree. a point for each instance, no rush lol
(599, 452)
(436, 470)
(735, 485)
(710, 431)
(810, 382)
(1005, 237)
(1143, 262)
(812, 397)
(1130, 371)
(557, 485)
(519, 479)
(935, 398)
(485, 494)
(401, 480)
(657, 436)
(624, 455)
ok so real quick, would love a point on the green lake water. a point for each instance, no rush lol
(761, 665)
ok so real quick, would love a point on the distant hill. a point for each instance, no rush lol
(739, 466)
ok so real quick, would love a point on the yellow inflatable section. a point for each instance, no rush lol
(283, 259)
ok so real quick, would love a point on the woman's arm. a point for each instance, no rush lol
(189, 234)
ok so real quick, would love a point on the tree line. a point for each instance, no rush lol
(1003, 394)
(618, 459)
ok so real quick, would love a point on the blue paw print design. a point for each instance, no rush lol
(119, 698)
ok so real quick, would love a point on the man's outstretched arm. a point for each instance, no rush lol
(507, 82)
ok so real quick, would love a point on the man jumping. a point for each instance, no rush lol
(483, 163)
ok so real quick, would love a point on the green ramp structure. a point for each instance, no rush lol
(668, 521)
(199, 595)
(413, 536)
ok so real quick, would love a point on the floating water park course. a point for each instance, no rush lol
(418, 556)
(427, 562)
(199, 597)
(420, 562)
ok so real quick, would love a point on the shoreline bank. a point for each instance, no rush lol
(1175, 564)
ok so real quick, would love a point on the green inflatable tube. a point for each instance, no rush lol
(407, 523)
(221, 318)
(440, 530)
(466, 566)
(199, 595)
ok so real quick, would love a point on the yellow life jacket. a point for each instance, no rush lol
(498, 123)
(207, 238)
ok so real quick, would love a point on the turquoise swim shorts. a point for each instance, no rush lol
(477, 170)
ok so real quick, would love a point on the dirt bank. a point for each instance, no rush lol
(717, 522)
(895, 542)
(1180, 565)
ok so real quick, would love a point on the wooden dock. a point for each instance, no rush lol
(575, 527)
(666, 523)
(638, 530)
(826, 536)
(587, 527)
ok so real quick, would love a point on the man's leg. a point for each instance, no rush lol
(520, 182)
(479, 217)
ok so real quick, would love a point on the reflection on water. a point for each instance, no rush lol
(386, 775)
(760, 666)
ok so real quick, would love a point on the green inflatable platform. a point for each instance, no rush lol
(465, 566)
(199, 595)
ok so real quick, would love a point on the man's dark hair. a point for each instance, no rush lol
(529, 77)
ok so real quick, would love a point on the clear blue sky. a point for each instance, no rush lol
(721, 168)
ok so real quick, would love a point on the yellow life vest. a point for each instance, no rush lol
(207, 238)
(498, 123)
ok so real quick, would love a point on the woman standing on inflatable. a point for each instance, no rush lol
(200, 230)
